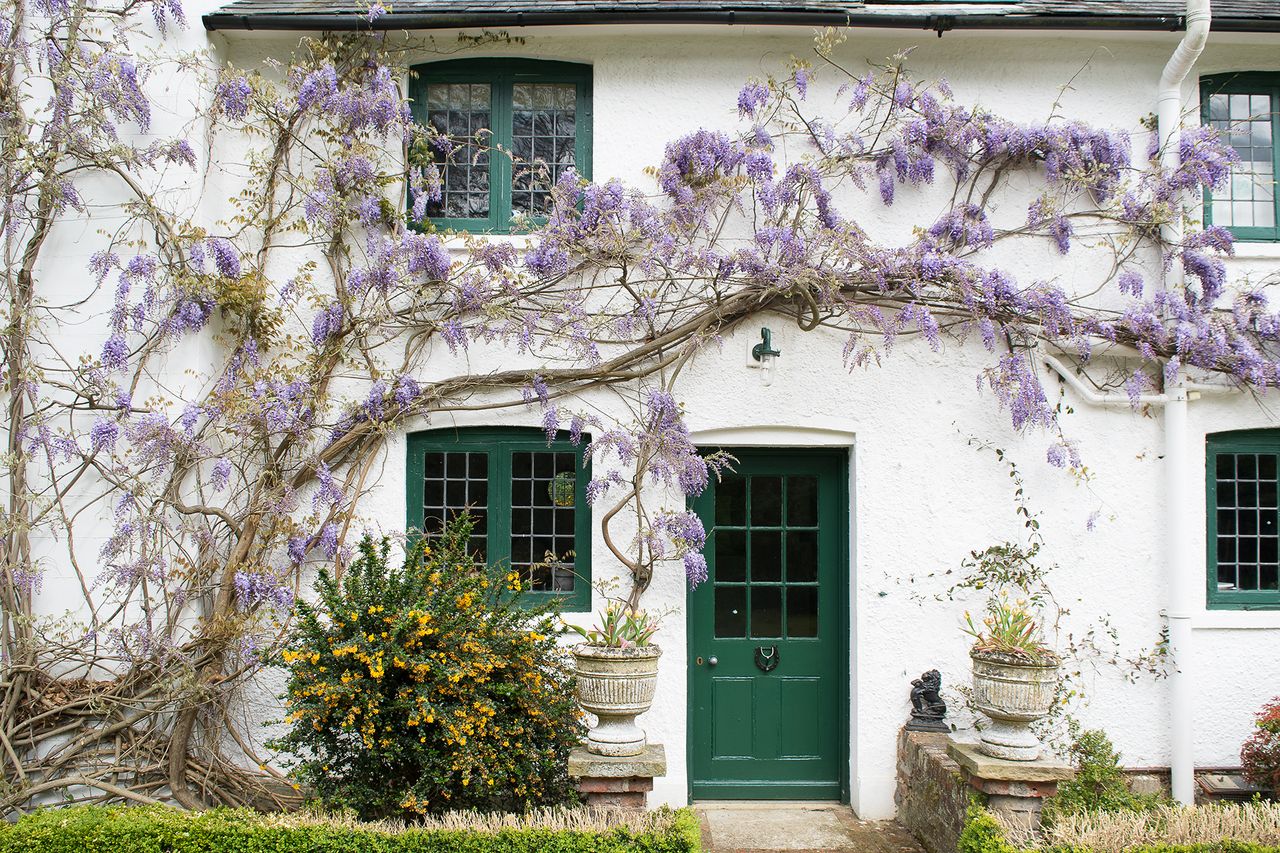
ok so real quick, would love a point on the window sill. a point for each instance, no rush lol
(1259, 250)
(1236, 620)
(457, 243)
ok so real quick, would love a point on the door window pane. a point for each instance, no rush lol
(766, 501)
(731, 501)
(730, 555)
(802, 556)
(802, 501)
(766, 611)
(766, 555)
(731, 611)
(802, 611)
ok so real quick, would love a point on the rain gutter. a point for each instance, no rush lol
(939, 23)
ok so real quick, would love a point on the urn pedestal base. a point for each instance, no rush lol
(616, 736)
(617, 782)
(1014, 789)
(1011, 740)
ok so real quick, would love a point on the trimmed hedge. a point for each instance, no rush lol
(982, 833)
(159, 829)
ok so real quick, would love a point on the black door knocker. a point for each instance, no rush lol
(767, 659)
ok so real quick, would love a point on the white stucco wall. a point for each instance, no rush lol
(921, 498)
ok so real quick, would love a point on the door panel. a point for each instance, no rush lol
(767, 718)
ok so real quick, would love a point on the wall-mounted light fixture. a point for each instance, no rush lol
(763, 355)
(764, 349)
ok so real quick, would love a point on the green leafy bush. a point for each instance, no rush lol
(982, 833)
(428, 688)
(1099, 785)
(158, 829)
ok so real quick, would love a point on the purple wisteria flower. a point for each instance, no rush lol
(327, 324)
(232, 96)
(115, 353)
(753, 96)
(103, 435)
(221, 474)
(225, 257)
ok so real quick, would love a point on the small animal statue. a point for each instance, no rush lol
(927, 707)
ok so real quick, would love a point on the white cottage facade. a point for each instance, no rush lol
(865, 483)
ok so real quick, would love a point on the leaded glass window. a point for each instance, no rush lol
(525, 496)
(515, 126)
(1244, 519)
(1243, 109)
(462, 111)
(543, 138)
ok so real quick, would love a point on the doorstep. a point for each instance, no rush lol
(785, 826)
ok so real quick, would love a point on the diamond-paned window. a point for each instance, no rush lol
(514, 127)
(525, 496)
(1243, 523)
(1243, 109)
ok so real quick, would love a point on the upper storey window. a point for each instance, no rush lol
(1244, 108)
(538, 113)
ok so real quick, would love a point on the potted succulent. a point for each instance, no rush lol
(617, 673)
(1015, 676)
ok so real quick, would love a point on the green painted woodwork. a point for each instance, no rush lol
(1242, 470)
(1265, 85)
(502, 75)
(777, 559)
(503, 450)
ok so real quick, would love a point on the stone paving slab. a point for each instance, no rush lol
(774, 827)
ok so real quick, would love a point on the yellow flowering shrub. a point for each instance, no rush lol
(428, 688)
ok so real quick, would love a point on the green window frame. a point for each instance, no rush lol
(494, 457)
(1242, 530)
(1252, 128)
(503, 76)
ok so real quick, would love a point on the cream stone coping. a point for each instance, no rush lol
(998, 769)
(650, 763)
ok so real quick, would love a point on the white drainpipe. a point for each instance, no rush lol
(1181, 517)
(1185, 568)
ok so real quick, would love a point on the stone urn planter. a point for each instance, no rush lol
(1014, 693)
(617, 685)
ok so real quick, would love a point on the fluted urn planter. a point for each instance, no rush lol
(617, 686)
(1014, 694)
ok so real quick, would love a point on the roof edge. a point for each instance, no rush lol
(936, 23)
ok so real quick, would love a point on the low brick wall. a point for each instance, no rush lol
(932, 796)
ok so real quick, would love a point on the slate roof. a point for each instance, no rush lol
(1228, 15)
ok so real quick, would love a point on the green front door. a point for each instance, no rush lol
(768, 655)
